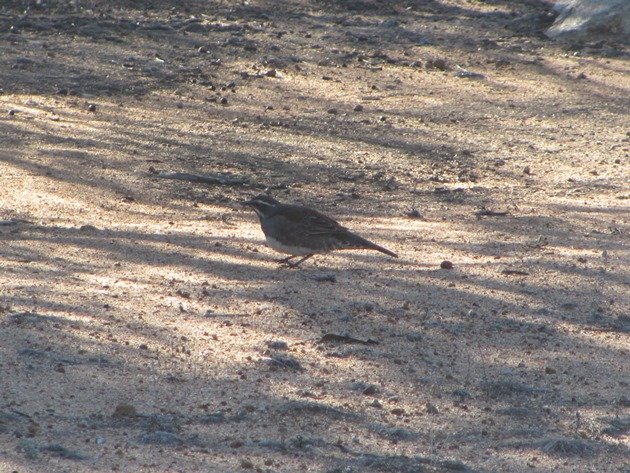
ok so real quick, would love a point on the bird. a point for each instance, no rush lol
(304, 232)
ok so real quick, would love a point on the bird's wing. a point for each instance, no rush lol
(321, 225)
(314, 222)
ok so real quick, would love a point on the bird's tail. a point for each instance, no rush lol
(353, 241)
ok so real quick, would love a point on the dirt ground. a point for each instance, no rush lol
(145, 327)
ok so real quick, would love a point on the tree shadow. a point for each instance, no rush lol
(175, 320)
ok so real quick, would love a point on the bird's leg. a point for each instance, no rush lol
(295, 265)
(286, 260)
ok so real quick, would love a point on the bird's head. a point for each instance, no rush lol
(262, 204)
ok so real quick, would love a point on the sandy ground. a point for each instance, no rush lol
(145, 327)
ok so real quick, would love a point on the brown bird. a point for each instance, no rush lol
(301, 231)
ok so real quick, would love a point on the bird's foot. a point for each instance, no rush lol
(286, 262)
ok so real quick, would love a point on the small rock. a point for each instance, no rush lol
(88, 229)
(271, 73)
(464, 74)
(581, 76)
(224, 101)
(397, 411)
(12, 112)
(439, 64)
(284, 362)
(370, 390)
(332, 111)
(527, 170)
(91, 107)
(358, 108)
(446, 264)
(432, 409)
(376, 403)
(278, 345)
(124, 410)
(247, 464)
(549, 370)
(390, 23)
(414, 213)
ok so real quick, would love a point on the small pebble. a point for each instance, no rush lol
(88, 229)
(446, 264)
(91, 107)
(278, 345)
(370, 390)
(358, 108)
(439, 64)
(224, 101)
(124, 410)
